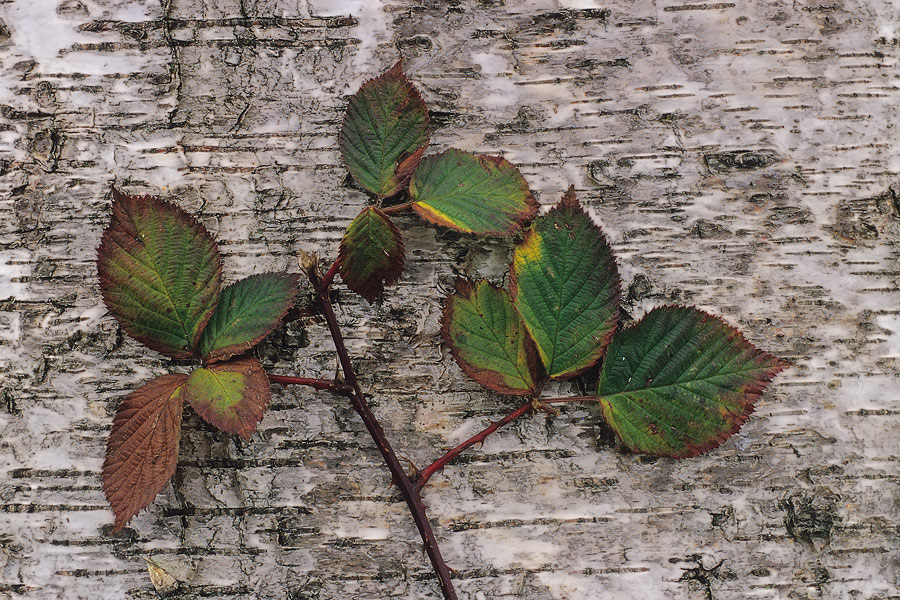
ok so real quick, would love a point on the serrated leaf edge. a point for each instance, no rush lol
(433, 216)
(381, 282)
(244, 428)
(410, 162)
(570, 201)
(463, 286)
(122, 518)
(105, 283)
(227, 352)
(754, 392)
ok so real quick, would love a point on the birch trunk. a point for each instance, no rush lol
(742, 157)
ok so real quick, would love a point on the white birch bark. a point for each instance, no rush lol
(742, 156)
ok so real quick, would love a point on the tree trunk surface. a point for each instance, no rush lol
(741, 156)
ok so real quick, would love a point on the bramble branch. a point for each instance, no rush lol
(397, 208)
(526, 407)
(407, 488)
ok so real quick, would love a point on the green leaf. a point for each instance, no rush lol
(247, 312)
(385, 132)
(486, 337)
(471, 193)
(142, 449)
(159, 272)
(681, 381)
(231, 396)
(565, 284)
(372, 254)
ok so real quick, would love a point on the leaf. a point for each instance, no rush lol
(385, 132)
(142, 449)
(471, 193)
(231, 396)
(159, 272)
(681, 381)
(486, 337)
(565, 284)
(372, 254)
(247, 312)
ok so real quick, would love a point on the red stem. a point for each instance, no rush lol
(390, 210)
(325, 282)
(569, 399)
(407, 488)
(319, 384)
(426, 473)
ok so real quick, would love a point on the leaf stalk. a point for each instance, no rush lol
(529, 406)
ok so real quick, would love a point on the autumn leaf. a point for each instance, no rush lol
(565, 284)
(231, 396)
(681, 381)
(385, 132)
(471, 193)
(142, 449)
(159, 272)
(372, 254)
(488, 340)
(246, 313)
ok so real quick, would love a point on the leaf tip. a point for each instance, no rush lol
(396, 70)
(569, 199)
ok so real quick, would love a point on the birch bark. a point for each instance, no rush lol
(741, 156)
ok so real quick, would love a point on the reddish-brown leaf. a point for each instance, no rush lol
(143, 446)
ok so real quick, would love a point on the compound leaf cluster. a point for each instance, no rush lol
(161, 276)
(383, 141)
(676, 384)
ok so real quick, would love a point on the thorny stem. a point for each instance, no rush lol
(319, 384)
(407, 488)
(427, 472)
(528, 406)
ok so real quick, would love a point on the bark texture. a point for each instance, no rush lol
(741, 156)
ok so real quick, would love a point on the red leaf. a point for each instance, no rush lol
(142, 450)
